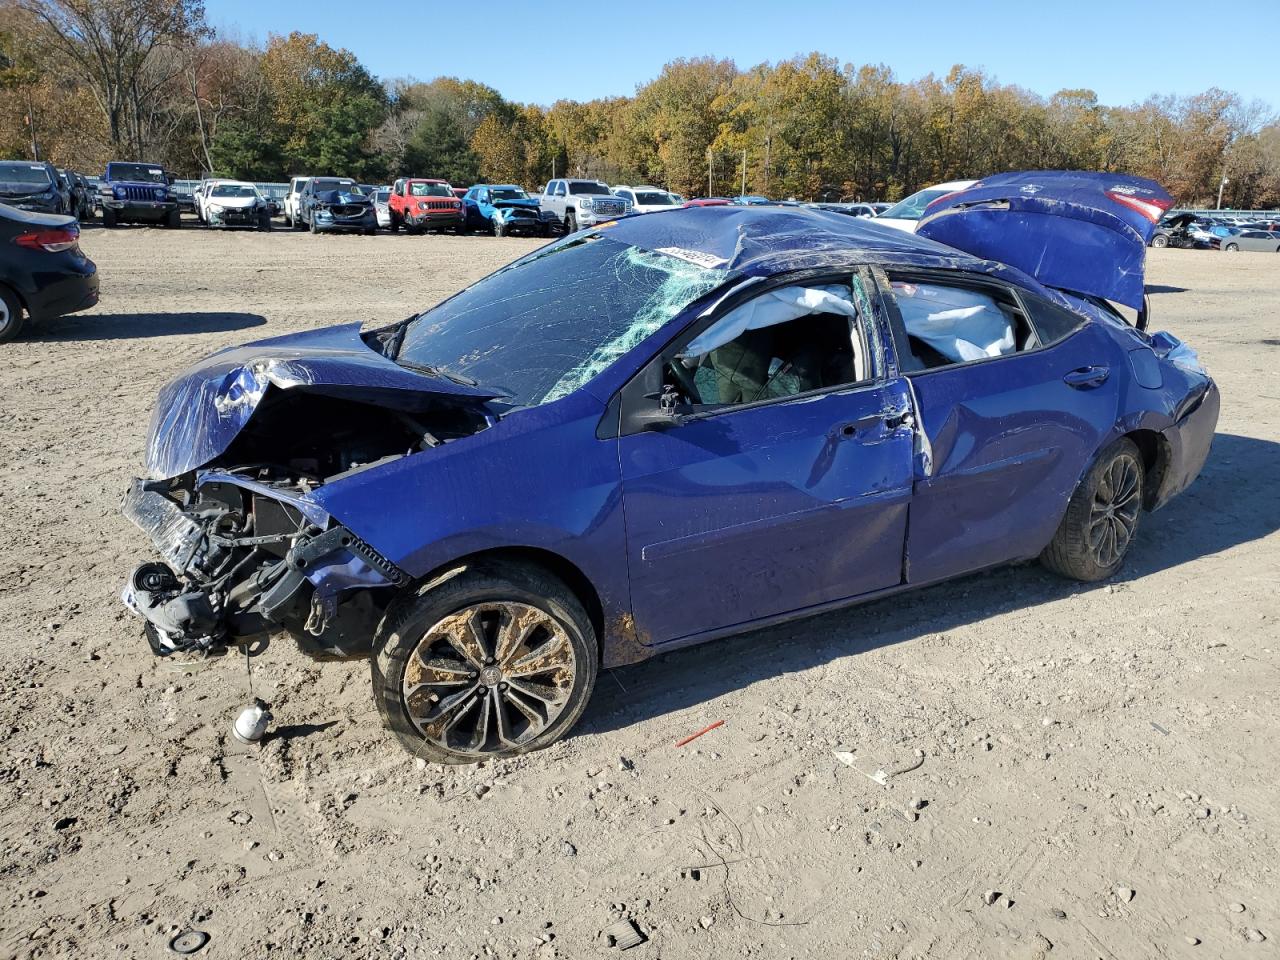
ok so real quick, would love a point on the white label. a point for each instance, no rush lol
(708, 260)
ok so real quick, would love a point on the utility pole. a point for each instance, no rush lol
(1224, 182)
(709, 191)
(31, 122)
(744, 173)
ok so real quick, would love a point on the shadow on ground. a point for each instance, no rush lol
(132, 326)
(1233, 502)
(1163, 288)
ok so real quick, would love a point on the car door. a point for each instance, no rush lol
(745, 512)
(1007, 435)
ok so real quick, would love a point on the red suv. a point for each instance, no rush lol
(418, 205)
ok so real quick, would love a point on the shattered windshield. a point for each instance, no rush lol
(544, 326)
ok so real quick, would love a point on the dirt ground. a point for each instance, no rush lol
(1103, 758)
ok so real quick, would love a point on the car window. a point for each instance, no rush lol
(788, 341)
(947, 324)
(421, 189)
(547, 324)
(584, 187)
(559, 191)
(912, 208)
(1052, 322)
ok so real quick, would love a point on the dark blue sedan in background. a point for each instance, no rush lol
(667, 429)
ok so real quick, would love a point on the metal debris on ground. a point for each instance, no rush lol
(624, 935)
(188, 941)
(252, 722)
(706, 729)
(881, 776)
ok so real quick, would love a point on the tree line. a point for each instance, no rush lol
(87, 81)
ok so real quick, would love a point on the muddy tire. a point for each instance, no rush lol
(1102, 517)
(494, 660)
(11, 318)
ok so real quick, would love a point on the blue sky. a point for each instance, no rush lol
(1125, 50)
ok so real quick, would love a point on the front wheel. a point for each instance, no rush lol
(173, 220)
(108, 218)
(570, 222)
(1102, 516)
(499, 228)
(498, 660)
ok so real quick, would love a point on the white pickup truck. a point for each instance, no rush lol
(582, 203)
(296, 186)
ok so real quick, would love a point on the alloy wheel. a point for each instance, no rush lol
(6, 316)
(488, 678)
(1114, 515)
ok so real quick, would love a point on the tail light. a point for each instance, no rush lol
(1153, 210)
(52, 241)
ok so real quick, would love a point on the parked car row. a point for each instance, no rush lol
(41, 187)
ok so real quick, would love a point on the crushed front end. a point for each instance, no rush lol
(244, 559)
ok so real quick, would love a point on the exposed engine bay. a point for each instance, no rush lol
(247, 555)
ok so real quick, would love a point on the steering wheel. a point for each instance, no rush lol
(684, 380)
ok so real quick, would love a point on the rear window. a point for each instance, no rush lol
(652, 198)
(26, 173)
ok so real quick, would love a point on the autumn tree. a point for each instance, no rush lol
(120, 47)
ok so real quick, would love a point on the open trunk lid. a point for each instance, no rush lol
(1083, 232)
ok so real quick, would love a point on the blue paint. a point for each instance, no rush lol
(747, 515)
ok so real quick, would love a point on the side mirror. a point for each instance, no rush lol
(670, 410)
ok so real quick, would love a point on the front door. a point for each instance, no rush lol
(759, 510)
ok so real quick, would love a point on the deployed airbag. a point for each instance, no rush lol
(775, 307)
(960, 324)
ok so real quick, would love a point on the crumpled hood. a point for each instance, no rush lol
(1073, 230)
(199, 414)
(340, 196)
(15, 189)
(525, 202)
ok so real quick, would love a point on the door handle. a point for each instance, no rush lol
(1086, 378)
(892, 419)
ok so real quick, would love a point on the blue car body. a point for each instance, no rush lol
(506, 208)
(680, 532)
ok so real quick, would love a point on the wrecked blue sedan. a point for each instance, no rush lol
(668, 429)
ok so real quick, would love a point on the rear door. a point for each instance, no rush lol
(1007, 436)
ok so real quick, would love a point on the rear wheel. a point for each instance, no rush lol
(1102, 517)
(1159, 240)
(11, 319)
(1232, 248)
(497, 660)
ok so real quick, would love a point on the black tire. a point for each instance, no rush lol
(312, 226)
(1159, 240)
(395, 223)
(1102, 517)
(11, 318)
(173, 220)
(109, 218)
(1232, 248)
(570, 222)
(264, 223)
(499, 228)
(409, 620)
(369, 231)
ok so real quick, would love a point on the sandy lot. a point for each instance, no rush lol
(1103, 757)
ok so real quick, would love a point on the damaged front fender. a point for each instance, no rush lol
(198, 415)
